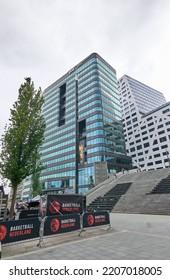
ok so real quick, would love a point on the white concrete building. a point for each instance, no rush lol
(146, 119)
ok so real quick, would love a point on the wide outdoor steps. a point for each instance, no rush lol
(163, 187)
(109, 200)
(138, 198)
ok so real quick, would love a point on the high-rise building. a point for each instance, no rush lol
(146, 120)
(88, 96)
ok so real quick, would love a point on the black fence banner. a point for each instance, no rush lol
(62, 224)
(12, 231)
(98, 218)
(65, 204)
(27, 214)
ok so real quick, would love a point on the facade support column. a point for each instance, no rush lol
(77, 139)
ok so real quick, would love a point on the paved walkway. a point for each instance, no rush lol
(135, 237)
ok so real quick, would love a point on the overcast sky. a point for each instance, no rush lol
(44, 39)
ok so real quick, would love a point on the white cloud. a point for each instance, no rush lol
(44, 39)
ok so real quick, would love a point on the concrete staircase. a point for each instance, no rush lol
(162, 187)
(110, 199)
(137, 199)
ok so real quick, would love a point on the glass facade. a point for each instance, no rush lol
(100, 130)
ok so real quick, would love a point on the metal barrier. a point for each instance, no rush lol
(29, 229)
(19, 230)
(93, 219)
(58, 224)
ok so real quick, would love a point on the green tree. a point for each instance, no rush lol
(35, 181)
(23, 137)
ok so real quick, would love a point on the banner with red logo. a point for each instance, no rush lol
(61, 224)
(18, 230)
(65, 204)
(98, 218)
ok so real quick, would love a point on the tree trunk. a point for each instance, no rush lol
(11, 214)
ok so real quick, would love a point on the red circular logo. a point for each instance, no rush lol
(90, 219)
(3, 232)
(54, 225)
(55, 207)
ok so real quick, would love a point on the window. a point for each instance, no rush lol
(162, 139)
(140, 154)
(158, 161)
(164, 146)
(134, 120)
(137, 135)
(149, 163)
(139, 147)
(143, 127)
(62, 105)
(149, 124)
(165, 111)
(155, 142)
(138, 141)
(161, 132)
(155, 149)
(149, 119)
(157, 155)
(132, 150)
(146, 145)
(145, 132)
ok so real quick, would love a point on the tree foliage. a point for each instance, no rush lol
(23, 136)
(36, 185)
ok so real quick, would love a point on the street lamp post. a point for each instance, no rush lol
(77, 139)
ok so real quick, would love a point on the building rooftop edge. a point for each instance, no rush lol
(94, 54)
(140, 83)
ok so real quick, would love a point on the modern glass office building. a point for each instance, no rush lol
(146, 120)
(87, 95)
